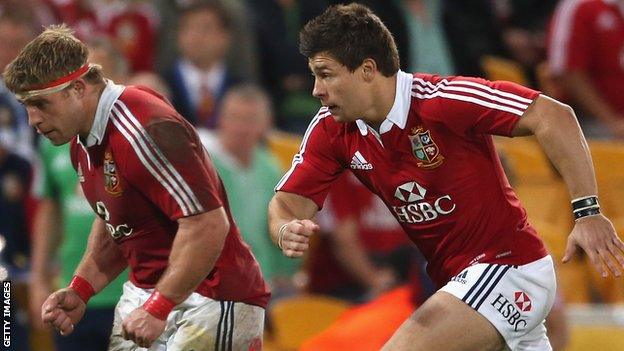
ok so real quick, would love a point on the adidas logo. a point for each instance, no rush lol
(461, 277)
(359, 162)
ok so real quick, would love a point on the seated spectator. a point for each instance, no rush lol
(249, 174)
(200, 76)
(585, 57)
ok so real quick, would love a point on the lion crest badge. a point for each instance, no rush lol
(112, 184)
(424, 148)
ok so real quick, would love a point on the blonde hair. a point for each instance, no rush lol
(54, 53)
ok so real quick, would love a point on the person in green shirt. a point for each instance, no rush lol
(62, 225)
(249, 173)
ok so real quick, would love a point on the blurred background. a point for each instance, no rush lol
(232, 68)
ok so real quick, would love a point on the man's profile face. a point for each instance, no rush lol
(54, 116)
(338, 88)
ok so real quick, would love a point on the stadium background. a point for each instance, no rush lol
(140, 42)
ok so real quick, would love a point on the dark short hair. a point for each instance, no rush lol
(217, 7)
(351, 33)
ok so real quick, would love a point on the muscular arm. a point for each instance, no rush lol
(196, 248)
(102, 261)
(557, 130)
(296, 211)
(584, 93)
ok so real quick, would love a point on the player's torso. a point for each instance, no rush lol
(426, 175)
(128, 214)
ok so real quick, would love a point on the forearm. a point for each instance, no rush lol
(196, 248)
(103, 260)
(557, 130)
(585, 95)
(285, 207)
(46, 237)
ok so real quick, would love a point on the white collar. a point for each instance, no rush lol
(400, 109)
(110, 94)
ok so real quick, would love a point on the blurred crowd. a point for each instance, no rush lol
(232, 68)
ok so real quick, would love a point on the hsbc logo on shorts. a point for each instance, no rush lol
(523, 301)
(509, 311)
(418, 209)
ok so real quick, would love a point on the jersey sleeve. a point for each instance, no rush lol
(472, 105)
(166, 162)
(317, 164)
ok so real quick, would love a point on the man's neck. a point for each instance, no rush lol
(383, 100)
(90, 107)
(242, 156)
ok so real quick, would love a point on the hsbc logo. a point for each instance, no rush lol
(523, 301)
(509, 312)
(418, 209)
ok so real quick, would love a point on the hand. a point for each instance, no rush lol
(296, 238)
(142, 328)
(63, 309)
(596, 235)
(39, 290)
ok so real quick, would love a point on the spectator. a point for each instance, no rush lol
(585, 57)
(16, 29)
(428, 46)
(200, 77)
(104, 53)
(249, 174)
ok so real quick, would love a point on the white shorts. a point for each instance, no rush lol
(515, 299)
(199, 323)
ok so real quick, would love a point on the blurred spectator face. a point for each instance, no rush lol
(202, 38)
(114, 65)
(244, 121)
(13, 37)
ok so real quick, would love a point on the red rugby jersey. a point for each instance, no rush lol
(143, 167)
(434, 165)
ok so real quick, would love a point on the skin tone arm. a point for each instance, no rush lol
(196, 248)
(556, 129)
(353, 258)
(296, 212)
(579, 85)
(46, 239)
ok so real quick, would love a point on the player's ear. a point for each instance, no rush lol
(79, 86)
(369, 69)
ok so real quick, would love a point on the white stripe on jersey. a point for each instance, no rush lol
(139, 153)
(562, 32)
(298, 158)
(438, 91)
(186, 189)
(492, 92)
(146, 155)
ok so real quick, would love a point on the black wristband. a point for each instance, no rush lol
(586, 212)
(588, 201)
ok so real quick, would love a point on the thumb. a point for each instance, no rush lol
(308, 224)
(569, 251)
(54, 300)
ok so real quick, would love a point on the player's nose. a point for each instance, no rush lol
(319, 90)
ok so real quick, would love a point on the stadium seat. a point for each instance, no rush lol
(498, 68)
(526, 160)
(283, 146)
(301, 317)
